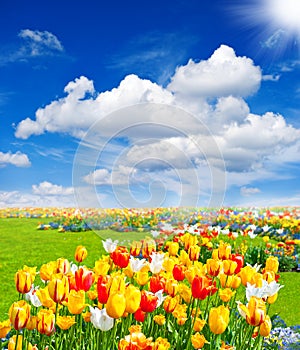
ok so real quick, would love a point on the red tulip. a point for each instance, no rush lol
(202, 286)
(84, 279)
(120, 257)
(148, 301)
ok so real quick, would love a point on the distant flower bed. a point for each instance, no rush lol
(183, 288)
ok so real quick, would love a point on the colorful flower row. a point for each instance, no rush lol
(193, 292)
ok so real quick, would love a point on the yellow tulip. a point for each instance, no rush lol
(257, 280)
(159, 319)
(62, 266)
(44, 297)
(101, 267)
(58, 288)
(19, 314)
(198, 340)
(189, 240)
(224, 251)
(80, 253)
(218, 319)
(229, 267)
(142, 277)
(65, 322)
(161, 344)
(4, 328)
(272, 299)
(116, 305)
(45, 321)
(170, 303)
(12, 344)
(133, 298)
(246, 274)
(117, 284)
(31, 324)
(173, 248)
(213, 267)
(272, 264)
(265, 327)
(254, 312)
(76, 302)
(169, 263)
(23, 281)
(185, 292)
(199, 324)
(226, 294)
(194, 252)
(47, 270)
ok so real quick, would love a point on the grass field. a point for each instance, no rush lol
(21, 243)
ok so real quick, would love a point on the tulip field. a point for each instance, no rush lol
(153, 279)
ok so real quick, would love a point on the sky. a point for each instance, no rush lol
(149, 104)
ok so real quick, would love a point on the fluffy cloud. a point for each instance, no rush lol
(190, 128)
(249, 191)
(76, 112)
(18, 159)
(223, 74)
(48, 189)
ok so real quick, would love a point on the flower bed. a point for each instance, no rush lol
(189, 291)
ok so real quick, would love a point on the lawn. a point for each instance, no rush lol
(22, 243)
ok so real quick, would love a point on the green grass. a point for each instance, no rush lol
(22, 244)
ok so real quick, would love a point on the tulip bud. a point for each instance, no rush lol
(116, 305)
(218, 319)
(265, 327)
(133, 299)
(80, 253)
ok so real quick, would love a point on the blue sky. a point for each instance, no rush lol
(161, 103)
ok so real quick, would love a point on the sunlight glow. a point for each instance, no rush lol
(285, 14)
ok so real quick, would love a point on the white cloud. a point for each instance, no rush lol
(40, 43)
(271, 77)
(34, 43)
(118, 176)
(76, 112)
(223, 74)
(18, 159)
(46, 188)
(249, 191)
(16, 199)
(192, 126)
